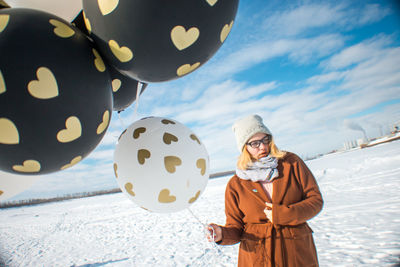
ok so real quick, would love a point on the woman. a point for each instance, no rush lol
(268, 202)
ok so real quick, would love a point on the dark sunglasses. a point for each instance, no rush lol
(257, 143)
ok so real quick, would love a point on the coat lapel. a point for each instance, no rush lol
(280, 185)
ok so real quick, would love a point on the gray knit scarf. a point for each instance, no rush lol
(263, 169)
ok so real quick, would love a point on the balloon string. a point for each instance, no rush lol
(120, 119)
(206, 229)
(138, 91)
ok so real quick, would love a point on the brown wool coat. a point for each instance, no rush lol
(286, 243)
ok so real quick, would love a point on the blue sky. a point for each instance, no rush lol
(314, 70)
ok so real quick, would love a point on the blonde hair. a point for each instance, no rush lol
(245, 159)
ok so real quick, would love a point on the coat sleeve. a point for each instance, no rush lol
(311, 203)
(232, 231)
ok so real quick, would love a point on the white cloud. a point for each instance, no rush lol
(358, 53)
(304, 19)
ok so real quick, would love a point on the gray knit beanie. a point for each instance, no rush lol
(246, 127)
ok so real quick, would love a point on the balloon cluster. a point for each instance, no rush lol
(60, 81)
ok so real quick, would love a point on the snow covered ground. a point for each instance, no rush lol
(359, 224)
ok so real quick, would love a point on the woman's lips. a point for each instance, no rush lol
(262, 154)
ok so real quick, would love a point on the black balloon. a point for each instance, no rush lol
(124, 89)
(55, 93)
(159, 40)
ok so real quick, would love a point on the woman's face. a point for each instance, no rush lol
(258, 145)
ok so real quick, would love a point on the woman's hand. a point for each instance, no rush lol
(268, 211)
(214, 233)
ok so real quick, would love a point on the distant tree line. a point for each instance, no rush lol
(37, 201)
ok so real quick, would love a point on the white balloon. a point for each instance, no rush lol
(67, 10)
(13, 184)
(161, 165)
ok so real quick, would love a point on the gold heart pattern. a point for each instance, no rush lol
(9, 134)
(138, 131)
(29, 165)
(72, 131)
(201, 164)
(45, 87)
(225, 31)
(87, 23)
(166, 197)
(4, 21)
(194, 138)
(211, 2)
(169, 138)
(165, 121)
(123, 54)
(193, 199)
(187, 68)
(98, 61)
(143, 154)
(115, 170)
(2, 84)
(61, 29)
(72, 163)
(183, 39)
(116, 84)
(107, 6)
(103, 125)
(170, 163)
(129, 189)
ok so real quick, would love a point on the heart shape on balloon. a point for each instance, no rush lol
(98, 61)
(45, 87)
(61, 29)
(9, 133)
(183, 39)
(116, 170)
(87, 23)
(143, 154)
(123, 54)
(187, 68)
(29, 165)
(166, 122)
(72, 131)
(116, 84)
(194, 138)
(212, 2)
(107, 6)
(225, 31)
(72, 163)
(129, 189)
(170, 163)
(137, 132)
(169, 138)
(103, 125)
(193, 199)
(166, 197)
(2, 84)
(4, 18)
(201, 164)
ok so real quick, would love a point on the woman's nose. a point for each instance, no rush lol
(262, 145)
